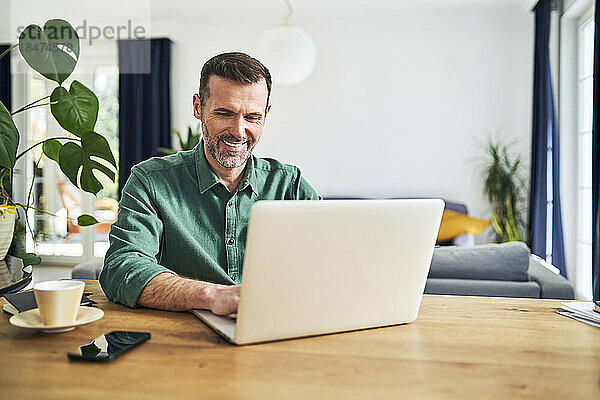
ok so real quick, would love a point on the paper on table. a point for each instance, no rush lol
(582, 311)
(585, 308)
(576, 317)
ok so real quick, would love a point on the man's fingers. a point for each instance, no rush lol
(232, 316)
(226, 300)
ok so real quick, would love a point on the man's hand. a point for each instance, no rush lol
(224, 299)
(167, 291)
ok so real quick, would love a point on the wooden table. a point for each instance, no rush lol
(459, 348)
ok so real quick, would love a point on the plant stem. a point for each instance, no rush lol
(29, 228)
(45, 140)
(26, 207)
(35, 167)
(11, 48)
(3, 192)
(26, 106)
(44, 211)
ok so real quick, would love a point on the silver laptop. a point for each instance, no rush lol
(319, 267)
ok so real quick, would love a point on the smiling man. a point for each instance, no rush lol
(179, 240)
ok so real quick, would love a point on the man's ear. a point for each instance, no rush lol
(267, 111)
(197, 104)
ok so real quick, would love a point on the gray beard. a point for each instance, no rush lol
(225, 160)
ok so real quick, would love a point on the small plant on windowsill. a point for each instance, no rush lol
(53, 51)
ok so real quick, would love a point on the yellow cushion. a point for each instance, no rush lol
(455, 223)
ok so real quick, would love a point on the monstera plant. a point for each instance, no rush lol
(53, 51)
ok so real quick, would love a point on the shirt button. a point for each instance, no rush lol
(234, 277)
(229, 204)
(230, 242)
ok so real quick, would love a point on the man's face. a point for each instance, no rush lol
(232, 119)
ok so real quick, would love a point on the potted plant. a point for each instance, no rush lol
(192, 139)
(53, 51)
(504, 186)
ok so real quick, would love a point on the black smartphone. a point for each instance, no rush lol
(109, 346)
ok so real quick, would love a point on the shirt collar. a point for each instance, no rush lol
(249, 178)
(207, 178)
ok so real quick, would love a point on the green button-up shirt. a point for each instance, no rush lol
(175, 215)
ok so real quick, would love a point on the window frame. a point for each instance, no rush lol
(583, 244)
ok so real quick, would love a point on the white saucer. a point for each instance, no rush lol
(32, 320)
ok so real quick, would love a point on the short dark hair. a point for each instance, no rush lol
(237, 66)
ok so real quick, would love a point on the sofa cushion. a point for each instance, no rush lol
(479, 287)
(454, 224)
(503, 262)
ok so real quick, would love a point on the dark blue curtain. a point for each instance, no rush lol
(5, 93)
(596, 161)
(544, 139)
(144, 101)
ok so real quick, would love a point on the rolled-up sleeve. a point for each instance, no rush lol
(131, 260)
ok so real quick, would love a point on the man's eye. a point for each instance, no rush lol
(252, 118)
(222, 114)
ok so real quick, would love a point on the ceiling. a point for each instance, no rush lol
(190, 8)
(116, 12)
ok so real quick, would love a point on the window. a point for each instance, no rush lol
(584, 157)
(49, 227)
(56, 235)
(106, 87)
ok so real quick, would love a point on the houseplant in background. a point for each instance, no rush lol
(192, 139)
(53, 51)
(503, 185)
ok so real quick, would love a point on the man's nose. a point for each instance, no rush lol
(239, 129)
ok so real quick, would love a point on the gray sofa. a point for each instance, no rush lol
(505, 270)
(87, 270)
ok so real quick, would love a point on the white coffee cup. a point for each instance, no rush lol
(58, 301)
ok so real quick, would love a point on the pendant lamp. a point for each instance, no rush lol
(287, 51)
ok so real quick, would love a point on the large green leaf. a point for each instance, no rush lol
(74, 158)
(75, 110)
(51, 148)
(46, 50)
(10, 139)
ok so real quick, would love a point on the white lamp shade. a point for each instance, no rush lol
(288, 52)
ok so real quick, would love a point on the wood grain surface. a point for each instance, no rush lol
(459, 348)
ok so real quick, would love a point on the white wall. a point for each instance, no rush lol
(403, 97)
(400, 103)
